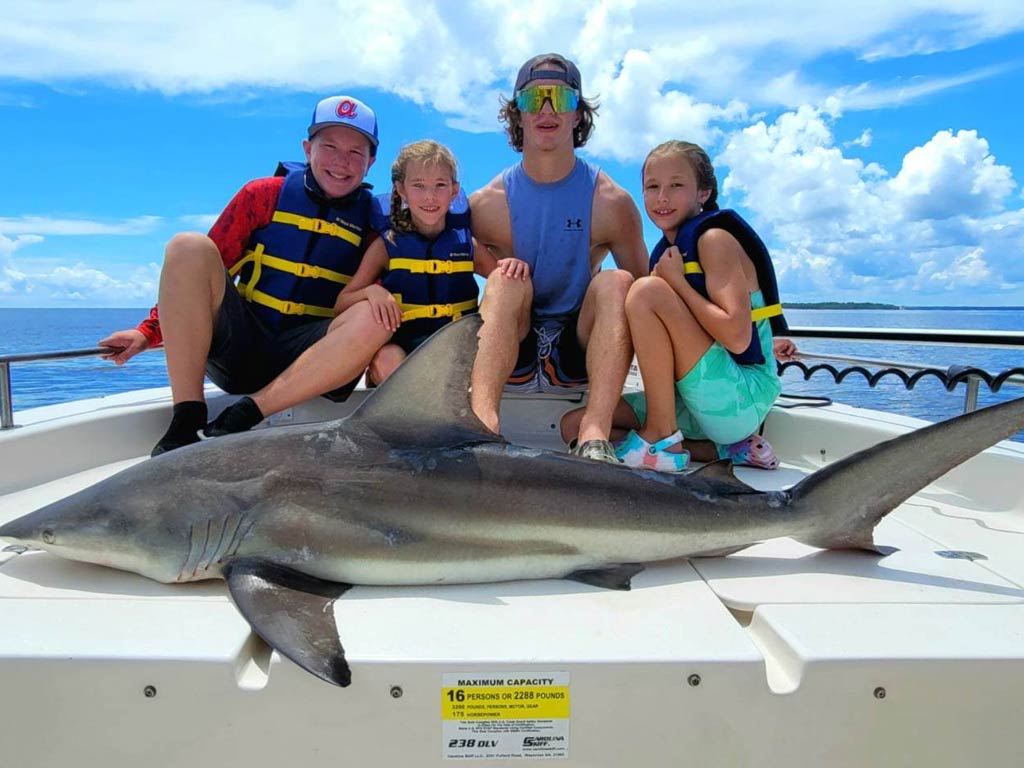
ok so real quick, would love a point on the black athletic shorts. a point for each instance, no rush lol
(550, 357)
(408, 337)
(245, 356)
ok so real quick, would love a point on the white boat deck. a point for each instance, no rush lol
(778, 655)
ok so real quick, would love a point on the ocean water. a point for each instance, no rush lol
(37, 330)
(929, 398)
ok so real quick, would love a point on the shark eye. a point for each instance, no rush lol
(48, 537)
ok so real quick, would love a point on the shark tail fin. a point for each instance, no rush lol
(842, 503)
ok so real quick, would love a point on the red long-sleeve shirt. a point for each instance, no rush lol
(250, 209)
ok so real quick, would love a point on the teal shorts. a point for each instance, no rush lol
(719, 399)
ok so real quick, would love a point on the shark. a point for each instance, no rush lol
(412, 489)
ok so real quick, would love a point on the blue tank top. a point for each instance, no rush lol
(551, 233)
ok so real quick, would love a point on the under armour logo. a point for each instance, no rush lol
(575, 225)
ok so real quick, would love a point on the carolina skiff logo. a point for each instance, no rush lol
(574, 225)
(347, 108)
(542, 741)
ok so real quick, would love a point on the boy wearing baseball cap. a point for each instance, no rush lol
(562, 215)
(252, 303)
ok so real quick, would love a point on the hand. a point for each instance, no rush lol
(125, 345)
(514, 269)
(384, 307)
(670, 266)
(784, 349)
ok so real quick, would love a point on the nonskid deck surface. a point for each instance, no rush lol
(777, 618)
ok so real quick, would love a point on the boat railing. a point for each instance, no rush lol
(909, 373)
(6, 361)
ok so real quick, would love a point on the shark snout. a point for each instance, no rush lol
(26, 531)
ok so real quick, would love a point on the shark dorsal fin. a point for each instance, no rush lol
(425, 402)
(721, 472)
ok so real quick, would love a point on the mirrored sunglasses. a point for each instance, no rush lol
(562, 98)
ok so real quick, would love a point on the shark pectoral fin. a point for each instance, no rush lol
(883, 550)
(292, 613)
(721, 471)
(616, 577)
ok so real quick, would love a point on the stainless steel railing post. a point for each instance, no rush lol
(971, 395)
(6, 400)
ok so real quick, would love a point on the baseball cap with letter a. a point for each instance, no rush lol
(347, 111)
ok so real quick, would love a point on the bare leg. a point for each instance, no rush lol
(623, 420)
(389, 357)
(604, 333)
(506, 314)
(191, 292)
(340, 356)
(669, 342)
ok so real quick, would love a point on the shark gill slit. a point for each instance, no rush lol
(202, 550)
(204, 563)
(238, 537)
(191, 553)
(235, 540)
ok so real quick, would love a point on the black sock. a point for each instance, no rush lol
(240, 416)
(189, 417)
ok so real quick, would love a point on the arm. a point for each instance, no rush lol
(485, 263)
(483, 260)
(726, 316)
(363, 287)
(784, 349)
(492, 229)
(617, 227)
(491, 223)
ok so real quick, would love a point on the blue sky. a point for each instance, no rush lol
(874, 145)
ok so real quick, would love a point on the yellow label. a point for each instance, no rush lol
(505, 703)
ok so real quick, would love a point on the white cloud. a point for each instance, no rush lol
(657, 72)
(864, 140)
(44, 225)
(952, 175)
(37, 282)
(82, 283)
(967, 270)
(839, 223)
(843, 228)
(899, 92)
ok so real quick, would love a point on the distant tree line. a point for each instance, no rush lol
(839, 305)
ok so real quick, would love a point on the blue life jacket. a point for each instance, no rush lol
(757, 252)
(432, 280)
(294, 268)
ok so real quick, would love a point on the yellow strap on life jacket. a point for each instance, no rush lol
(284, 307)
(307, 224)
(418, 311)
(763, 313)
(304, 270)
(430, 266)
(255, 257)
(260, 258)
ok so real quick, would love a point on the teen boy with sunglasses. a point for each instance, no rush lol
(565, 323)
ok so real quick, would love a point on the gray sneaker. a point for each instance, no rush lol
(598, 450)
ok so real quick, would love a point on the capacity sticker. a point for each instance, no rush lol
(488, 716)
